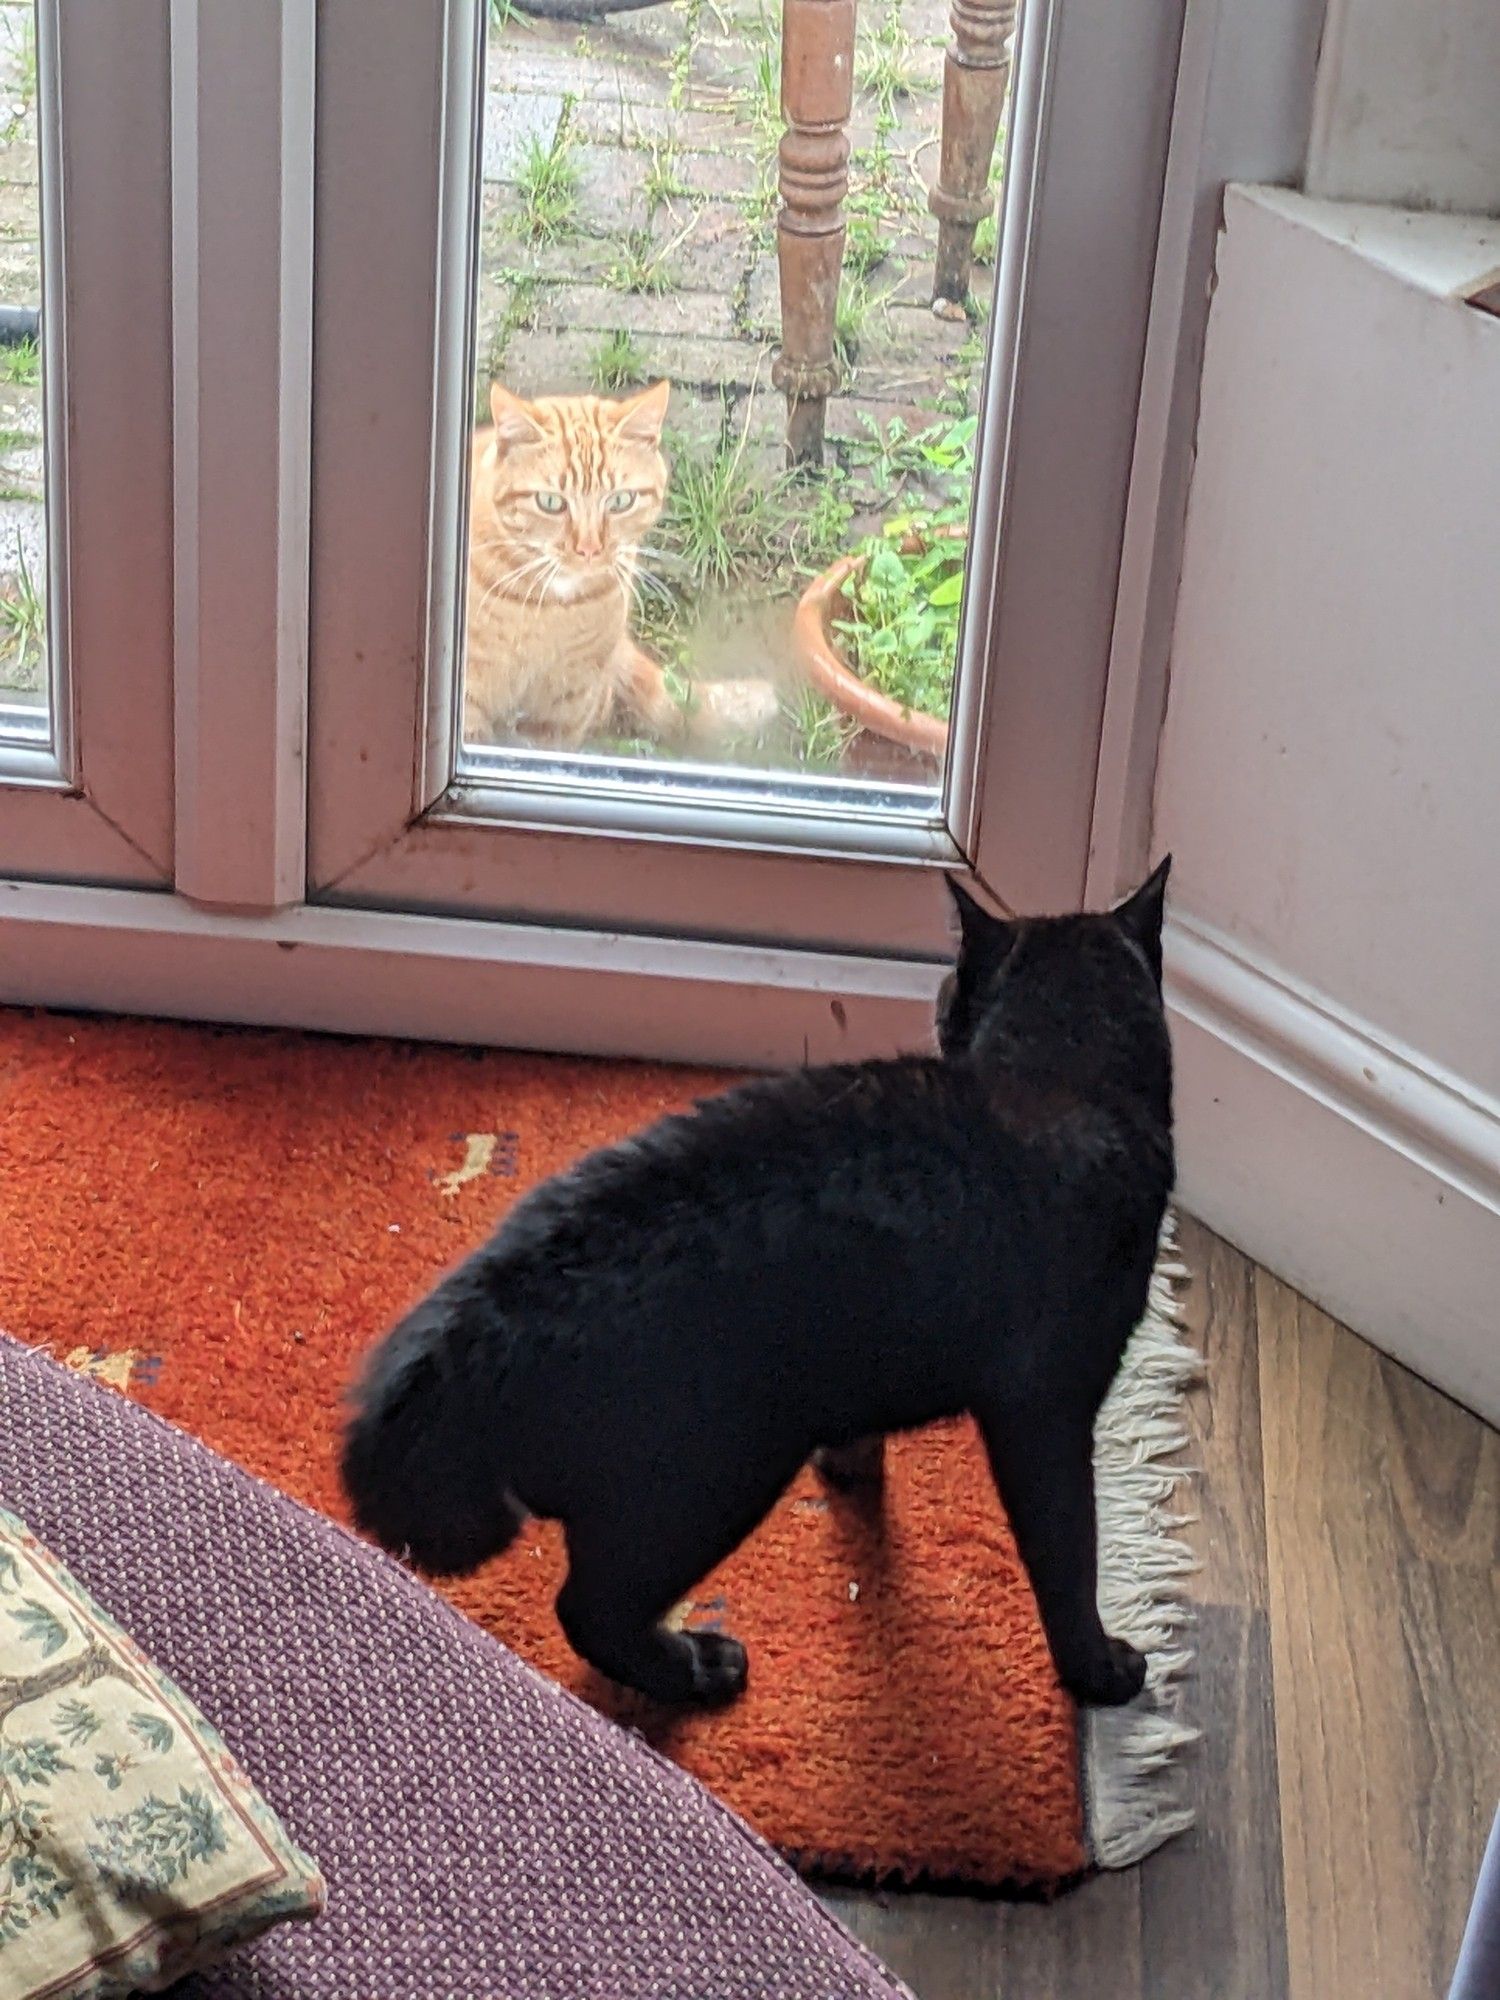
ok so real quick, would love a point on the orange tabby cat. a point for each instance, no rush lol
(565, 490)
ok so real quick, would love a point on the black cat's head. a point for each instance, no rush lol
(1076, 995)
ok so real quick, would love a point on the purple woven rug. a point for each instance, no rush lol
(484, 1836)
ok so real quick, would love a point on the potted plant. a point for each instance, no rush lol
(877, 632)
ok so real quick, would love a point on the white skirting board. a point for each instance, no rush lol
(1355, 1169)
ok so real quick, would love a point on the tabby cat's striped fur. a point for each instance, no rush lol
(564, 491)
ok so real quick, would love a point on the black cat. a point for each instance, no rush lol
(653, 1343)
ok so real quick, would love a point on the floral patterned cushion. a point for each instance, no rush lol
(133, 1849)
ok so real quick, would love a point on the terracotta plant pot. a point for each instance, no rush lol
(817, 648)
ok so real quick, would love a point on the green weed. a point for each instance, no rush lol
(617, 362)
(820, 733)
(548, 182)
(864, 246)
(904, 605)
(857, 307)
(663, 182)
(722, 521)
(21, 365)
(642, 266)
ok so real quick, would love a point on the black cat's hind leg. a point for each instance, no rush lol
(847, 1466)
(1043, 1462)
(625, 1574)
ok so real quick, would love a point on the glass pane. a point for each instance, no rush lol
(651, 594)
(23, 519)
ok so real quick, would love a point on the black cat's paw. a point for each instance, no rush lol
(721, 1666)
(848, 1466)
(1110, 1678)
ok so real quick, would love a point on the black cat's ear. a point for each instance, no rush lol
(978, 930)
(1140, 916)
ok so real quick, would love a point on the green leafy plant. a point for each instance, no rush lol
(617, 361)
(901, 631)
(548, 182)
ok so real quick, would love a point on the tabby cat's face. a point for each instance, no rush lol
(575, 483)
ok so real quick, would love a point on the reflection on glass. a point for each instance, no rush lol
(23, 529)
(646, 579)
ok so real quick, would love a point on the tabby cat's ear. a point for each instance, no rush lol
(1140, 916)
(514, 423)
(977, 928)
(641, 417)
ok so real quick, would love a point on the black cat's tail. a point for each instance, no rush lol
(423, 1454)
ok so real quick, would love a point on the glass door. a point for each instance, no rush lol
(722, 424)
(526, 530)
(85, 444)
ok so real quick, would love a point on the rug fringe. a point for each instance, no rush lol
(1132, 1756)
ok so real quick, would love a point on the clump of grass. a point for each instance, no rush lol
(548, 182)
(763, 95)
(23, 619)
(820, 733)
(617, 361)
(21, 365)
(864, 246)
(960, 396)
(642, 266)
(723, 522)
(886, 65)
(873, 170)
(819, 531)
(857, 306)
(663, 182)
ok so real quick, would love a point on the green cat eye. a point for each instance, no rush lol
(550, 503)
(619, 501)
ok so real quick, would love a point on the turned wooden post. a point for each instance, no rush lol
(817, 96)
(976, 74)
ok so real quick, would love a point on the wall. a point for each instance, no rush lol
(1407, 105)
(1329, 775)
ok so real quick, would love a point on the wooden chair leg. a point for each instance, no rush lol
(817, 96)
(976, 75)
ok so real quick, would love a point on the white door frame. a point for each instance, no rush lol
(1086, 153)
(776, 955)
(87, 795)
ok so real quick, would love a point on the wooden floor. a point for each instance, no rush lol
(1348, 1692)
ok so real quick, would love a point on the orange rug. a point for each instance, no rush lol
(221, 1222)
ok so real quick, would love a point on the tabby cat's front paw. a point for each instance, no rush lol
(1107, 1679)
